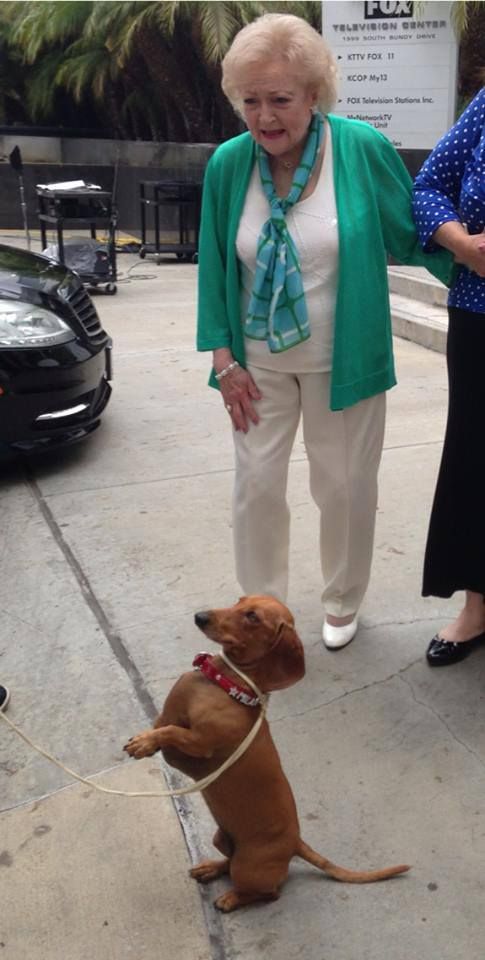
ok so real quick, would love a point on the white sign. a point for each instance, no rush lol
(397, 69)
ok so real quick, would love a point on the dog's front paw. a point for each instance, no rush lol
(228, 902)
(209, 870)
(142, 745)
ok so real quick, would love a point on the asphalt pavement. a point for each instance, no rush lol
(107, 549)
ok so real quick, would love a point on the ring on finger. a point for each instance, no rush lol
(229, 407)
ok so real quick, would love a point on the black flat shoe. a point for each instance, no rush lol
(440, 652)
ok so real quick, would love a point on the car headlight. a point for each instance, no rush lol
(26, 325)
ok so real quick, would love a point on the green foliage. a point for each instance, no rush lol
(146, 68)
(86, 67)
(38, 26)
(462, 11)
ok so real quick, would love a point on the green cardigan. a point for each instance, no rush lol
(373, 197)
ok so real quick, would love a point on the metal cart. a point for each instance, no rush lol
(180, 200)
(88, 209)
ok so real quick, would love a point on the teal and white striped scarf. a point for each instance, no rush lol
(277, 310)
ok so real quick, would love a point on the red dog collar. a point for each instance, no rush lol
(203, 662)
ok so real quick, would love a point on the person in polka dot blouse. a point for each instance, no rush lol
(449, 211)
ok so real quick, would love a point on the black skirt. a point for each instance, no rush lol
(455, 549)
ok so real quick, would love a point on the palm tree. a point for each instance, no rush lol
(469, 19)
(11, 77)
(181, 45)
(40, 34)
(141, 65)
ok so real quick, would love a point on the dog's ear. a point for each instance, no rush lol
(289, 639)
(292, 651)
(285, 664)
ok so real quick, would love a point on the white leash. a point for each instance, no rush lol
(193, 787)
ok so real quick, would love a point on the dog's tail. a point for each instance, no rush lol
(341, 873)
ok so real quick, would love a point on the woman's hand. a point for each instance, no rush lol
(474, 254)
(468, 248)
(238, 391)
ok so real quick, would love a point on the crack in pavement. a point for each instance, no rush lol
(397, 675)
(376, 625)
(35, 801)
(213, 921)
(347, 693)
(194, 476)
(442, 720)
(117, 645)
(13, 616)
(398, 623)
(141, 483)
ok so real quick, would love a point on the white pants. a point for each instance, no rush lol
(344, 450)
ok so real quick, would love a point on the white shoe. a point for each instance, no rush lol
(336, 637)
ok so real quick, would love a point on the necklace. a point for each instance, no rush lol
(292, 164)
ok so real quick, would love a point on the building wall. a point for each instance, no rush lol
(110, 164)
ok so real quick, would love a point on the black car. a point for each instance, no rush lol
(55, 357)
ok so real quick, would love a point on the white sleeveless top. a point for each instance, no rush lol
(313, 226)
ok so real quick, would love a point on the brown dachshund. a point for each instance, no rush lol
(201, 725)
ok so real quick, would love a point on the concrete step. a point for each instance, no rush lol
(418, 284)
(418, 307)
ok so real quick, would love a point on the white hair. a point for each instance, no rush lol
(281, 37)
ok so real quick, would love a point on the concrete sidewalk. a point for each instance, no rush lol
(107, 551)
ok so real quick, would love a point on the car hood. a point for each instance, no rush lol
(23, 273)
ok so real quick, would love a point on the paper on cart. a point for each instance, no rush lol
(69, 185)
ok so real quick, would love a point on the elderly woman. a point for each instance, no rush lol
(298, 217)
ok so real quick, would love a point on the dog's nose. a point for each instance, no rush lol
(202, 619)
